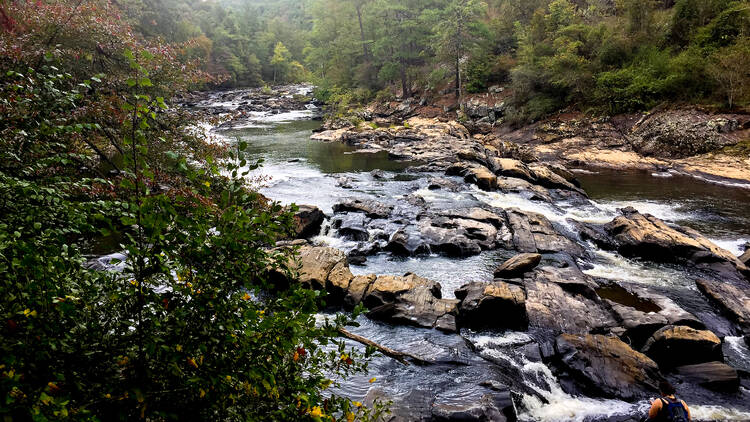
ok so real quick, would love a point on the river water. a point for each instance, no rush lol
(299, 170)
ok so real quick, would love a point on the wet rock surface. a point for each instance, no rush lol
(673, 346)
(518, 265)
(607, 367)
(714, 375)
(732, 299)
(647, 237)
(492, 305)
(308, 220)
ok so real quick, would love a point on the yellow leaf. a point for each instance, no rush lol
(203, 393)
(373, 379)
(316, 412)
(350, 417)
(358, 404)
(178, 347)
(208, 185)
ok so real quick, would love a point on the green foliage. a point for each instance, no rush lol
(202, 319)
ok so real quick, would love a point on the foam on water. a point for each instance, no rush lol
(735, 246)
(538, 376)
(612, 266)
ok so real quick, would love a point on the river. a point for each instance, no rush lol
(299, 170)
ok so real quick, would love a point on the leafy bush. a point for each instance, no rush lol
(193, 324)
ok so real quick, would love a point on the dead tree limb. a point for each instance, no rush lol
(395, 354)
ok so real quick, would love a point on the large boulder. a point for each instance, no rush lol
(550, 179)
(482, 177)
(607, 367)
(674, 346)
(714, 375)
(492, 305)
(410, 299)
(565, 307)
(734, 301)
(509, 167)
(316, 263)
(307, 221)
(518, 265)
(645, 236)
(533, 233)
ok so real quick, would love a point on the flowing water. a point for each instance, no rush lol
(299, 170)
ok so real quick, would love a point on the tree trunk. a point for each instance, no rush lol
(362, 32)
(404, 82)
(458, 77)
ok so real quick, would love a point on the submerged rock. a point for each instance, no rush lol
(673, 346)
(492, 305)
(606, 366)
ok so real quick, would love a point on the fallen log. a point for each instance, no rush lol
(395, 354)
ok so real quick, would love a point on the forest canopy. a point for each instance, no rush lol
(609, 55)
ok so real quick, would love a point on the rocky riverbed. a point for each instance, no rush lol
(524, 298)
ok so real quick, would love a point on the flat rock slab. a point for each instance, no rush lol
(607, 367)
(550, 307)
(732, 300)
(533, 233)
(714, 375)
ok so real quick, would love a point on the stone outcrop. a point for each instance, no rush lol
(518, 265)
(645, 236)
(713, 375)
(492, 305)
(733, 300)
(675, 134)
(410, 300)
(673, 346)
(407, 299)
(607, 367)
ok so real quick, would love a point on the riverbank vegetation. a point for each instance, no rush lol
(193, 321)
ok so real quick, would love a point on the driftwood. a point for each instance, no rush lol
(395, 354)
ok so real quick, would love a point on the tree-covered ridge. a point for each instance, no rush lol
(611, 55)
